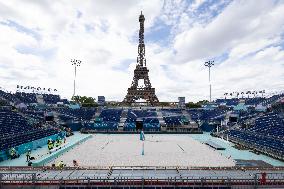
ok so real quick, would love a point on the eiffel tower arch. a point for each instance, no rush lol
(141, 72)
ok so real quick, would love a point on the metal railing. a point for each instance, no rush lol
(31, 178)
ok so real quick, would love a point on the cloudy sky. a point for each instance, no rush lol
(244, 38)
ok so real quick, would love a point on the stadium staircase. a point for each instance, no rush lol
(178, 172)
(56, 117)
(39, 99)
(109, 172)
(186, 115)
(122, 119)
(191, 123)
(161, 120)
(98, 113)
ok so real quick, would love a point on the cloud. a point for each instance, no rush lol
(241, 22)
(243, 37)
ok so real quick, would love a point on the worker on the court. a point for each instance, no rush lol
(13, 153)
(50, 144)
(75, 163)
(28, 155)
(61, 164)
(57, 143)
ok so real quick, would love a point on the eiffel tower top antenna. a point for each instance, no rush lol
(141, 60)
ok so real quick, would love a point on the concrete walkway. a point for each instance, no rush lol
(42, 153)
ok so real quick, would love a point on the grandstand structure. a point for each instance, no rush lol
(15, 130)
(20, 131)
(266, 135)
(28, 121)
(259, 130)
(29, 98)
(151, 120)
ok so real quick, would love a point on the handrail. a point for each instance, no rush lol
(146, 181)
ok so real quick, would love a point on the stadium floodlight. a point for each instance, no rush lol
(76, 63)
(209, 64)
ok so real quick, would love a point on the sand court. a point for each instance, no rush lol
(159, 150)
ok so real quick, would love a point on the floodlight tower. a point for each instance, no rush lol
(209, 64)
(76, 63)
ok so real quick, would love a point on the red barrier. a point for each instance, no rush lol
(263, 178)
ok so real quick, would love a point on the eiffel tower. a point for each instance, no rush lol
(136, 92)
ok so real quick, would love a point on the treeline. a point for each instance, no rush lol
(3, 103)
(85, 101)
(196, 105)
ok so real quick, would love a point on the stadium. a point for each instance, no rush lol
(47, 141)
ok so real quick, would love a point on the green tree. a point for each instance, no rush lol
(202, 102)
(3, 103)
(193, 105)
(197, 104)
(85, 101)
(164, 104)
(76, 99)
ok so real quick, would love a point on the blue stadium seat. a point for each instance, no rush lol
(51, 98)
(15, 130)
(267, 134)
(148, 117)
(81, 114)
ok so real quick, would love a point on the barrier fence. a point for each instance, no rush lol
(132, 177)
(30, 179)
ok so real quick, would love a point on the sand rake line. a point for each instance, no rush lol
(181, 148)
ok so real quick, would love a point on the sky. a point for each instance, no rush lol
(245, 38)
